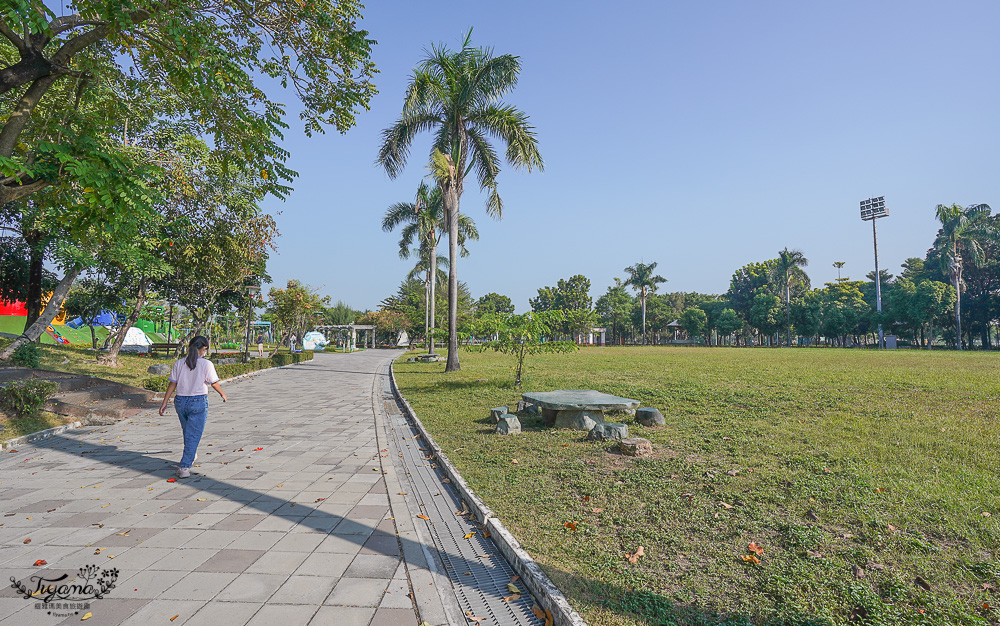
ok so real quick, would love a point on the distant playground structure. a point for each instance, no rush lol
(76, 331)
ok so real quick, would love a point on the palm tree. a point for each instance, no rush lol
(786, 270)
(641, 278)
(425, 222)
(457, 96)
(962, 230)
(839, 265)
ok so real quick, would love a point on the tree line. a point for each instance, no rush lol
(950, 296)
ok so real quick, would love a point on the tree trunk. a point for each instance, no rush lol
(111, 358)
(430, 327)
(93, 335)
(36, 253)
(788, 315)
(956, 274)
(35, 331)
(643, 319)
(451, 207)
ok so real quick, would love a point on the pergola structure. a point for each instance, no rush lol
(351, 331)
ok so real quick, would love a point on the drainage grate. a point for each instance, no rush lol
(477, 569)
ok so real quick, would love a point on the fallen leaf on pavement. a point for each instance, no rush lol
(515, 578)
(40, 562)
(86, 616)
(402, 493)
(171, 480)
(28, 540)
(202, 499)
(174, 617)
(511, 587)
(424, 517)
(469, 535)
(537, 610)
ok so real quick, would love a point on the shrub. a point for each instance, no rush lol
(26, 356)
(26, 398)
(159, 383)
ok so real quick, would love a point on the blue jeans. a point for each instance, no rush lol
(192, 411)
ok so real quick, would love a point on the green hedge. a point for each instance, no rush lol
(26, 398)
(159, 383)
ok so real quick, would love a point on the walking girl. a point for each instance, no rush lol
(191, 377)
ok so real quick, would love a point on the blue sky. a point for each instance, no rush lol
(699, 135)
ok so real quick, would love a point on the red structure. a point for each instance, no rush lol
(14, 308)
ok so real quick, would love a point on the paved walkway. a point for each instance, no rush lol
(294, 513)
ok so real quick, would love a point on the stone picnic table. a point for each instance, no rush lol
(579, 409)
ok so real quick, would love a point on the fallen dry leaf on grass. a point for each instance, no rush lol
(724, 505)
(751, 558)
(634, 558)
(597, 510)
(569, 525)
(753, 547)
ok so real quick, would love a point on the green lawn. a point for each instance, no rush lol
(843, 459)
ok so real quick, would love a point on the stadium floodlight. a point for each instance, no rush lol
(871, 210)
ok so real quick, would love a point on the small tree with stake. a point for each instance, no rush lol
(523, 335)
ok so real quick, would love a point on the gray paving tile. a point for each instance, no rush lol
(228, 560)
(372, 566)
(385, 616)
(358, 592)
(226, 613)
(325, 564)
(278, 562)
(199, 586)
(311, 590)
(252, 588)
(342, 616)
(161, 611)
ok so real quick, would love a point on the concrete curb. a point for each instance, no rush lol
(538, 583)
(42, 434)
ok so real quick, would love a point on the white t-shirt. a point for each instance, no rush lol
(193, 382)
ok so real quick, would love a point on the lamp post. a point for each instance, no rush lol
(251, 291)
(871, 210)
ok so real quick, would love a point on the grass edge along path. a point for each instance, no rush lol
(867, 480)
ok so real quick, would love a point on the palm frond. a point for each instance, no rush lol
(511, 126)
(397, 139)
(396, 214)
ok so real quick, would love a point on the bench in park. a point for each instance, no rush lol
(162, 347)
(578, 409)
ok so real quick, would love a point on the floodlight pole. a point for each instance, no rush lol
(878, 286)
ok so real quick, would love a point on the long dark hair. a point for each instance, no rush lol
(194, 347)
